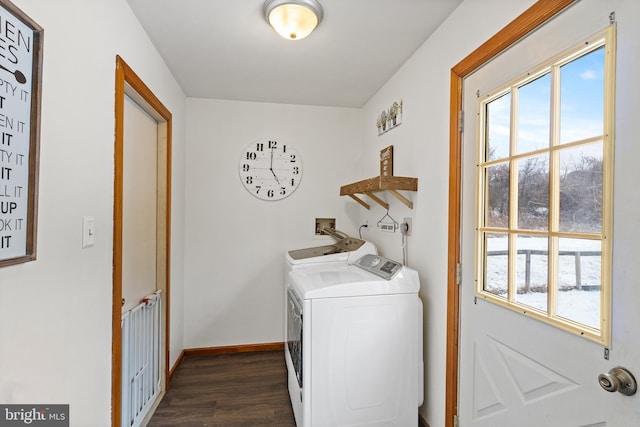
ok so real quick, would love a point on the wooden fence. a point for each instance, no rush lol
(528, 252)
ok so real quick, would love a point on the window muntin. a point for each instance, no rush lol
(534, 114)
(533, 192)
(581, 188)
(496, 266)
(582, 88)
(497, 187)
(544, 212)
(497, 125)
(532, 271)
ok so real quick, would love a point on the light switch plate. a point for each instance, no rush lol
(88, 231)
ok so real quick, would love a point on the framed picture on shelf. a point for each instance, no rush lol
(386, 161)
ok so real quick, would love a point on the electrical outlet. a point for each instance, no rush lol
(406, 227)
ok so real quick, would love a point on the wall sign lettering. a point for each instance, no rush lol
(20, 83)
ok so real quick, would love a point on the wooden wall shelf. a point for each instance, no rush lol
(391, 184)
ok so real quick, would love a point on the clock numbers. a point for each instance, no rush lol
(270, 170)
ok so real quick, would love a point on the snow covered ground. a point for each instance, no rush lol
(578, 306)
(582, 306)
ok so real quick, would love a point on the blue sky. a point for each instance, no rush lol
(581, 111)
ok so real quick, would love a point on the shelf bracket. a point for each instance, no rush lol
(381, 183)
(378, 200)
(403, 199)
(360, 201)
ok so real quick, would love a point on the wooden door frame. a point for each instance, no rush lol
(127, 81)
(539, 13)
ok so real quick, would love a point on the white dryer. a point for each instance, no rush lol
(355, 344)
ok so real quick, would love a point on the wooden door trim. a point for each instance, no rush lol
(125, 76)
(528, 21)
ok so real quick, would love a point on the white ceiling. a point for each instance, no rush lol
(224, 49)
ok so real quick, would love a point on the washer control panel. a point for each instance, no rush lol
(380, 266)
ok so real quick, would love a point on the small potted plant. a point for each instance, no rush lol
(393, 112)
(383, 119)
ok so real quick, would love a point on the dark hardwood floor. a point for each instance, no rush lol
(227, 390)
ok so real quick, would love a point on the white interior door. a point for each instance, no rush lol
(139, 217)
(516, 370)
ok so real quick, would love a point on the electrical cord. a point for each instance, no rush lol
(360, 230)
(404, 247)
(404, 229)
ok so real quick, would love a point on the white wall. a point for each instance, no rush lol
(421, 149)
(55, 313)
(235, 243)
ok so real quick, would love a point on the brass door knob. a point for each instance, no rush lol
(618, 379)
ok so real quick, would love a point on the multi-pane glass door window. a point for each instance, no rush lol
(545, 167)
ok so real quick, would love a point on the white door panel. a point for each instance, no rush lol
(139, 222)
(515, 370)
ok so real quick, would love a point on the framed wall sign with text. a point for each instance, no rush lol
(20, 95)
(386, 161)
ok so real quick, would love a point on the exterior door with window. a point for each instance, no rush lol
(537, 233)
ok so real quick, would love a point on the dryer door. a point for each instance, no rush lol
(294, 334)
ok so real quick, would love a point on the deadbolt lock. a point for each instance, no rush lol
(618, 379)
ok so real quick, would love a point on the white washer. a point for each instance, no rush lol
(355, 344)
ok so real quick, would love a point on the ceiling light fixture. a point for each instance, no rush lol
(293, 19)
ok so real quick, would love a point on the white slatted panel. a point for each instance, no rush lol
(141, 351)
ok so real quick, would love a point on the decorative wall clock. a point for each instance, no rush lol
(270, 170)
